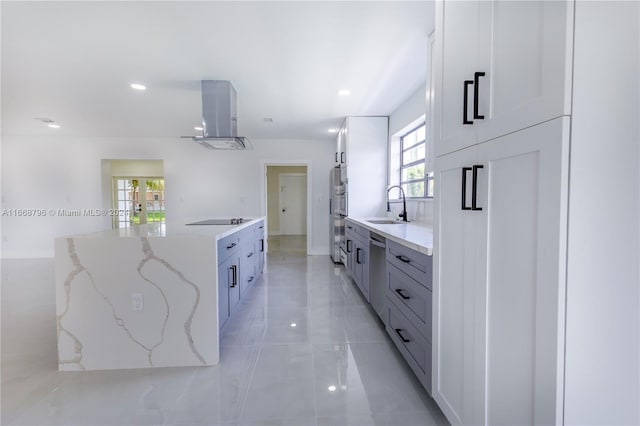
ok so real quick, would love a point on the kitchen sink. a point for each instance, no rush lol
(385, 221)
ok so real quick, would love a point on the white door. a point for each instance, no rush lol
(293, 203)
(457, 26)
(524, 49)
(501, 66)
(521, 250)
(453, 291)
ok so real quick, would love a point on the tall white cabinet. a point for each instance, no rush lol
(508, 346)
(361, 152)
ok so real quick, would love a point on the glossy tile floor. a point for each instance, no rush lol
(303, 348)
(287, 244)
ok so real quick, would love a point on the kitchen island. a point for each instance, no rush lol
(149, 295)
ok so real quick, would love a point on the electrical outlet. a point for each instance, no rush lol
(136, 302)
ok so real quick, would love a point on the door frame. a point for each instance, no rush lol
(280, 197)
(263, 195)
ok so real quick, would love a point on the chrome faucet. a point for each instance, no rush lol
(403, 215)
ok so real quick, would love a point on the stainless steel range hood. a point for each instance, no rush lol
(219, 117)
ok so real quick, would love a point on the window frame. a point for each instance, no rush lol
(402, 166)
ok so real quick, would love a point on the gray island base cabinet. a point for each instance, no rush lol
(152, 295)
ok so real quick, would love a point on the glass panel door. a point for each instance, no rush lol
(138, 200)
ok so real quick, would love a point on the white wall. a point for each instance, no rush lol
(602, 374)
(403, 119)
(56, 173)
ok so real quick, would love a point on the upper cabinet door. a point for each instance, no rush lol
(501, 66)
(524, 51)
(456, 57)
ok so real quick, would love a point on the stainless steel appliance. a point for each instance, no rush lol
(378, 274)
(337, 211)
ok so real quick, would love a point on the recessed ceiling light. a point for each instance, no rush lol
(344, 92)
(198, 128)
(54, 125)
(333, 130)
(138, 86)
(332, 388)
(293, 324)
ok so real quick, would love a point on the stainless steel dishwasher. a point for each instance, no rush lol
(378, 274)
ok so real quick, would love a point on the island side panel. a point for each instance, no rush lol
(100, 326)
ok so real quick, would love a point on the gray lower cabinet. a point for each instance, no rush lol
(409, 304)
(357, 241)
(240, 263)
(228, 288)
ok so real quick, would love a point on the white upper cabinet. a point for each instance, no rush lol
(503, 66)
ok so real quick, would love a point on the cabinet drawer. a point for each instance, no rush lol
(415, 349)
(416, 265)
(411, 298)
(227, 246)
(359, 231)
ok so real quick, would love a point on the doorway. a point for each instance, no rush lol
(286, 201)
(138, 201)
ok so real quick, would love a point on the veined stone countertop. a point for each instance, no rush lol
(415, 235)
(144, 296)
(153, 230)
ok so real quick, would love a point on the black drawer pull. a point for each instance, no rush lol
(399, 333)
(250, 279)
(358, 250)
(232, 245)
(399, 291)
(476, 95)
(401, 258)
(342, 157)
(250, 254)
(336, 157)
(234, 276)
(474, 190)
(349, 246)
(464, 188)
(261, 245)
(465, 101)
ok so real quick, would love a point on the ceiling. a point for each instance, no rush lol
(74, 62)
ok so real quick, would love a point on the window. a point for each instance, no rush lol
(138, 200)
(413, 178)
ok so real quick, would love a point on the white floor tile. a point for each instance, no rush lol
(270, 372)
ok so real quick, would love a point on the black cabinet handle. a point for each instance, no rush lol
(336, 157)
(476, 94)
(349, 246)
(358, 250)
(403, 259)
(330, 209)
(250, 279)
(250, 254)
(399, 291)
(342, 158)
(399, 333)
(261, 245)
(465, 119)
(464, 188)
(232, 245)
(234, 276)
(261, 226)
(475, 187)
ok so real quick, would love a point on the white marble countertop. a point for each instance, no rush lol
(155, 230)
(415, 235)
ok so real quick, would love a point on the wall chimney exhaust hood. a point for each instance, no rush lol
(219, 117)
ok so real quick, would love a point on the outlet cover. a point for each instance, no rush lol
(136, 302)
